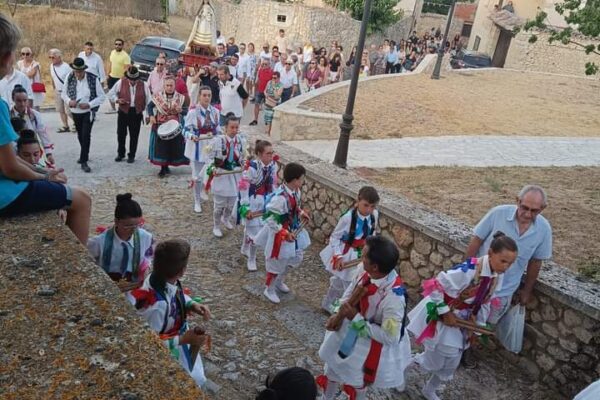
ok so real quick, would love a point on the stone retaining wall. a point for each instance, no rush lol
(66, 330)
(562, 343)
(293, 121)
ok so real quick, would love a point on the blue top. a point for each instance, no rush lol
(9, 189)
(534, 244)
(392, 56)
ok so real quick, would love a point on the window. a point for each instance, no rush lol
(466, 30)
(476, 43)
(281, 18)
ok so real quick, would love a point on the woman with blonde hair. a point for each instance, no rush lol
(31, 68)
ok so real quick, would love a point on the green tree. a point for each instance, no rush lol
(382, 12)
(583, 16)
(436, 6)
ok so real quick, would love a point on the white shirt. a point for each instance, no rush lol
(307, 55)
(113, 94)
(95, 64)
(8, 83)
(288, 78)
(242, 65)
(233, 69)
(265, 55)
(59, 75)
(279, 67)
(83, 95)
(221, 40)
(230, 98)
(95, 246)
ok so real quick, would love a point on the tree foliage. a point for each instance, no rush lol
(436, 6)
(382, 12)
(583, 16)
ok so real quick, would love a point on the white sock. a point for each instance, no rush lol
(332, 390)
(431, 386)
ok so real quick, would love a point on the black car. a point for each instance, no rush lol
(144, 53)
(470, 59)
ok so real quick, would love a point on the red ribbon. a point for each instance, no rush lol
(279, 239)
(208, 184)
(428, 332)
(270, 277)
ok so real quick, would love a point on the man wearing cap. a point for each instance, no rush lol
(83, 94)
(132, 95)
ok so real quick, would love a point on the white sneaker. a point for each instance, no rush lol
(217, 232)
(197, 207)
(251, 265)
(282, 287)
(227, 223)
(429, 393)
(272, 296)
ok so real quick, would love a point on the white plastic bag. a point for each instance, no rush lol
(510, 329)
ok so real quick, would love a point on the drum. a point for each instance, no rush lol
(169, 130)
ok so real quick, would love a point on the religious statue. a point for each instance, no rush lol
(204, 32)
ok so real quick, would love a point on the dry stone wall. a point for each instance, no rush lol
(554, 57)
(258, 21)
(562, 337)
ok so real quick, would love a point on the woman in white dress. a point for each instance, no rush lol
(31, 68)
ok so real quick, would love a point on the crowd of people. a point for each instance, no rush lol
(367, 337)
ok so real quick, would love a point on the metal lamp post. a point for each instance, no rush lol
(341, 152)
(438, 62)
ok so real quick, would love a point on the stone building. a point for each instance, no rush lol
(462, 20)
(259, 21)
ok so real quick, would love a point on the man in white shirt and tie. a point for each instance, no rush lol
(83, 94)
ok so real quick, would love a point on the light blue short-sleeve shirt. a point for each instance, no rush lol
(9, 189)
(535, 243)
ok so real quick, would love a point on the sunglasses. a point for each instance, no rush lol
(25, 54)
(160, 63)
(289, 63)
(313, 63)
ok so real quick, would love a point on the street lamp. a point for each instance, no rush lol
(438, 62)
(341, 152)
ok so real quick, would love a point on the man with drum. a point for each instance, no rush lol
(132, 96)
(166, 142)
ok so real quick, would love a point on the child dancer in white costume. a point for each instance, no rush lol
(366, 343)
(258, 181)
(201, 123)
(466, 292)
(346, 243)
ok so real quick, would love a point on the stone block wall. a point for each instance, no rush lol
(257, 21)
(548, 57)
(66, 330)
(562, 336)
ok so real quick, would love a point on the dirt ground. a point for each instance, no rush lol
(468, 193)
(471, 103)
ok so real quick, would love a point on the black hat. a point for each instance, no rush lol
(78, 64)
(132, 73)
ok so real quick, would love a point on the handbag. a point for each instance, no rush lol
(510, 329)
(38, 87)
(270, 102)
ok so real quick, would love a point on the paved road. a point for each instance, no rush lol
(103, 149)
(467, 151)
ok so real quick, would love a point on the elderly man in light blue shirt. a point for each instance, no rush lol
(533, 235)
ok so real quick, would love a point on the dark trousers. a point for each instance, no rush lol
(83, 124)
(389, 68)
(132, 121)
(286, 95)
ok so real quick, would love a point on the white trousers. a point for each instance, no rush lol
(333, 386)
(337, 287)
(223, 208)
(197, 178)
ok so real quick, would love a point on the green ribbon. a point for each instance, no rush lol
(278, 217)
(359, 251)
(360, 327)
(198, 300)
(244, 210)
(173, 349)
(209, 171)
(335, 306)
(432, 311)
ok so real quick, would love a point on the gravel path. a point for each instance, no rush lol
(463, 151)
(252, 337)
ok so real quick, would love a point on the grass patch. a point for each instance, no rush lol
(591, 270)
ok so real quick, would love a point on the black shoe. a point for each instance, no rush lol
(255, 122)
(79, 161)
(130, 160)
(163, 172)
(85, 167)
(119, 158)
(468, 359)
(168, 170)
